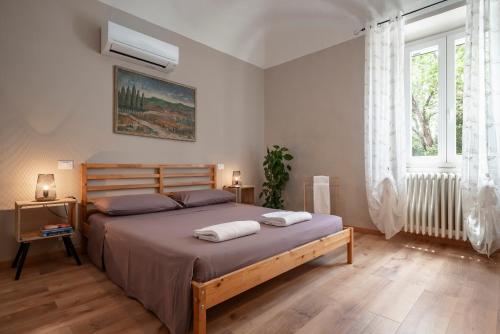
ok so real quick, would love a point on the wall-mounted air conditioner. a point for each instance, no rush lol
(127, 44)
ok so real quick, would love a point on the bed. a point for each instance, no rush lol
(155, 259)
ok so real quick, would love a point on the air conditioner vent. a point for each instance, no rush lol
(137, 58)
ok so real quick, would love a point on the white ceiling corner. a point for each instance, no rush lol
(265, 32)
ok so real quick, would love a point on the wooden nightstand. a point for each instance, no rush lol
(25, 238)
(244, 194)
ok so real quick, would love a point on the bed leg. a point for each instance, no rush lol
(199, 311)
(350, 245)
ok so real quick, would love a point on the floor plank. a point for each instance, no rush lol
(398, 286)
(431, 314)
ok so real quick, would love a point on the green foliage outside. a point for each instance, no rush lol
(276, 172)
(425, 109)
(424, 101)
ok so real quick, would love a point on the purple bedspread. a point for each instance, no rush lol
(154, 257)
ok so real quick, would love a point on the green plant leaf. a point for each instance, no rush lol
(276, 176)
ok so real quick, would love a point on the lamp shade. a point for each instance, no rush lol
(236, 178)
(45, 187)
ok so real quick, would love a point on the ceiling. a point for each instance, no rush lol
(266, 32)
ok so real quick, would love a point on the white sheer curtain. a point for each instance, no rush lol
(385, 126)
(481, 128)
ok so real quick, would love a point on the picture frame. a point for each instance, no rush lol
(149, 106)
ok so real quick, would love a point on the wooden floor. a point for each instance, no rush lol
(396, 286)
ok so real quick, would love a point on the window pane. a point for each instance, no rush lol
(459, 91)
(424, 94)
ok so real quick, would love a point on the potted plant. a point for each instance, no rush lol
(276, 172)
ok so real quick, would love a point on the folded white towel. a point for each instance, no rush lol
(227, 231)
(285, 218)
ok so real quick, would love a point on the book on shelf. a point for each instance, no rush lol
(54, 226)
(55, 229)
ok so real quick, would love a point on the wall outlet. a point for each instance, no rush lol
(220, 166)
(65, 164)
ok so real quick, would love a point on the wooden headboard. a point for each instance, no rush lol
(106, 179)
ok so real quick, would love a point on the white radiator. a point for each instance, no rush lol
(435, 205)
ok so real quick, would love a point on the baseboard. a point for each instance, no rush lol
(414, 236)
(365, 230)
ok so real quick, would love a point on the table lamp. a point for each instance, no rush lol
(236, 178)
(45, 188)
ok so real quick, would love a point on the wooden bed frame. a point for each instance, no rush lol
(163, 178)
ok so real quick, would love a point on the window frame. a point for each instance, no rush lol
(452, 156)
(447, 157)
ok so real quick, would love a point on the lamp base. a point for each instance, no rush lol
(45, 199)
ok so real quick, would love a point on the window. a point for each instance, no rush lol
(434, 92)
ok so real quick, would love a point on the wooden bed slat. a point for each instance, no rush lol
(117, 166)
(123, 186)
(184, 175)
(188, 166)
(188, 184)
(121, 176)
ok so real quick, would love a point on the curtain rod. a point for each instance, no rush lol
(404, 14)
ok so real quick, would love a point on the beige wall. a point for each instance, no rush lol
(56, 103)
(314, 106)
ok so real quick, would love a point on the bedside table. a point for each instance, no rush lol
(244, 194)
(25, 238)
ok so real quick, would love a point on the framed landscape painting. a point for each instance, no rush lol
(153, 107)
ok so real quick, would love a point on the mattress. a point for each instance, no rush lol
(154, 257)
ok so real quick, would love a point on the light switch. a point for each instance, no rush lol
(220, 166)
(65, 164)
